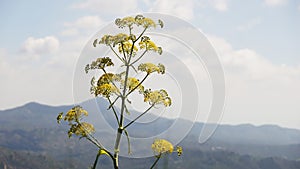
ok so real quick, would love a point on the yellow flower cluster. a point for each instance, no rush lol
(75, 114)
(157, 97)
(139, 20)
(145, 22)
(147, 44)
(106, 90)
(150, 68)
(105, 86)
(99, 63)
(132, 83)
(160, 146)
(113, 40)
(81, 129)
(127, 48)
(108, 78)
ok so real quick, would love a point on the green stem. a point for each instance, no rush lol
(141, 34)
(123, 97)
(122, 45)
(139, 58)
(128, 141)
(120, 129)
(139, 116)
(96, 161)
(155, 162)
(137, 85)
(115, 113)
(116, 54)
(113, 102)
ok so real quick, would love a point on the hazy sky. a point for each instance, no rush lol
(257, 41)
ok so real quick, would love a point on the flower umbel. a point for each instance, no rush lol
(99, 63)
(133, 83)
(81, 129)
(127, 48)
(157, 97)
(161, 146)
(149, 45)
(150, 68)
(139, 20)
(74, 116)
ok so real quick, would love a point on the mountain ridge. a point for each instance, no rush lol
(33, 128)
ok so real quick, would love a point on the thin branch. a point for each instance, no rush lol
(96, 161)
(133, 68)
(113, 102)
(140, 35)
(138, 116)
(138, 85)
(116, 54)
(115, 113)
(139, 57)
(128, 141)
(89, 136)
(94, 142)
(155, 162)
(122, 45)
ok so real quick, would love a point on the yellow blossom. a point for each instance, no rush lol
(127, 47)
(81, 129)
(157, 97)
(106, 90)
(132, 83)
(108, 78)
(127, 21)
(138, 20)
(75, 114)
(145, 22)
(99, 63)
(147, 44)
(113, 40)
(160, 146)
(150, 68)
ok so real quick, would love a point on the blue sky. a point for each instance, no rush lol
(258, 43)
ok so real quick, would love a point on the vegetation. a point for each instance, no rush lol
(129, 48)
(26, 140)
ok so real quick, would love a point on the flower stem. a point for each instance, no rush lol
(137, 85)
(139, 116)
(155, 162)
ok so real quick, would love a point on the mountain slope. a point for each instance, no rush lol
(32, 128)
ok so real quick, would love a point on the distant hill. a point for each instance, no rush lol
(31, 131)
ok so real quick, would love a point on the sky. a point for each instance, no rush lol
(257, 42)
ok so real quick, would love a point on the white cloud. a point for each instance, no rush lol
(23, 81)
(249, 25)
(275, 2)
(38, 46)
(70, 32)
(248, 62)
(86, 22)
(183, 9)
(220, 5)
(258, 91)
(108, 7)
(83, 25)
